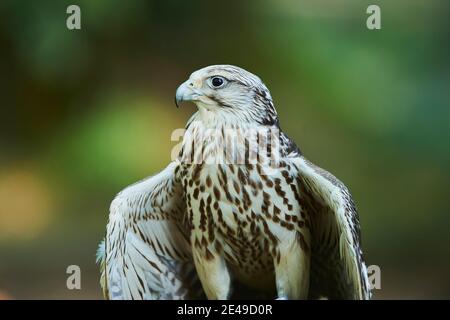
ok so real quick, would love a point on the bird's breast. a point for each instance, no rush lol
(241, 213)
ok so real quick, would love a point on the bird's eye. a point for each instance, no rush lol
(217, 82)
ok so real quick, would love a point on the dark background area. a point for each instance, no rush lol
(83, 113)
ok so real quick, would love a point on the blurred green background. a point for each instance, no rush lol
(84, 113)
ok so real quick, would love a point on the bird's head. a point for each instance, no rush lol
(231, 92)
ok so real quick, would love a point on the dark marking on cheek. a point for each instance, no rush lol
(219, 101)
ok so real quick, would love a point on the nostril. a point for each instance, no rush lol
(191, 84)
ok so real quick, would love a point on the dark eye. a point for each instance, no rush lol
(217, 82)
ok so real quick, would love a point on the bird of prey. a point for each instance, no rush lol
(218, 226)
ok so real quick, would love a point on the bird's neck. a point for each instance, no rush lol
(217, 119)
(213, 137)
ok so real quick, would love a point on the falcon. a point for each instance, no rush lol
(239, 213)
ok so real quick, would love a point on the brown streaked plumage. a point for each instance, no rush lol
(274, 225)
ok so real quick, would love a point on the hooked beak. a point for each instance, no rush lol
(185, 92)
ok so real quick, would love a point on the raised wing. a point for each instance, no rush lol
(146, 250)
(338, 270)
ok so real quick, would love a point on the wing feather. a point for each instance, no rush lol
(338, 269)
(146, 253)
